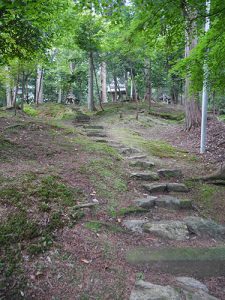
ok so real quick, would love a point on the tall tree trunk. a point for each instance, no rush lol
(39, 86)
(9, 100)
(97, 86)
(90, 84)
(115, 87)
(103, 83)
(192, 109)
(148, 93)
(126, 84)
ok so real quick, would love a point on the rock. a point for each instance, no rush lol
(142, 164)
(146, 203)
(173, 202)
(173, 230)
(168, 173)
(191, 284)
(137, 157)
(96, 134)
(134, 225)
(82, 118)
(128, 151)
(204, 227)
(147, 291)
(101, 141)
(145, 176)
(177, 187)
(94, 127)
(155, 187)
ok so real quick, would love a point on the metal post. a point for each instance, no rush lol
(205, 90)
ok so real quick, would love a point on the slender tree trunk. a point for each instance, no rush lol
(9, 102)
(39, 86)
(148, 93)
(126, 84)
(90, 84)
(115, 86)
(192, 109)
(103, 83)
(98, 90)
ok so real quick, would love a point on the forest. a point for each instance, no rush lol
(112, 149)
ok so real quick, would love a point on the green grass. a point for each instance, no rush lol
(153, 147)
(90, 146)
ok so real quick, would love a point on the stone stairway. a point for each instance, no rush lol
(165, 190)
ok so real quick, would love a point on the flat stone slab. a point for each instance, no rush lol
(142, 164)
(134, 225)
(188, 261)
(155, 187)
(205, 227)
(136, 157)
(126, 151)
(172, 230)
(96, 134)
(147, 291)
(168, 173)
(177, 187)
(165, 187)
(171, 202)
(101, 141)
(145, 175)
(165, 201)
(146, 203)
(94, 127)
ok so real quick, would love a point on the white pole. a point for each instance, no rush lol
(205, 91)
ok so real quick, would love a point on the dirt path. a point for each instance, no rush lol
(101, 254)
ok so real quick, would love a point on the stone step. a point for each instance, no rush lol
(165, 187)
(144, 164)
(178, 230)
(127, 151)
(165, 201)
(93, 127)
(145, 176)
(96, 134)
(182, 261)
(136, 157)
(168, 173)
(186, 290)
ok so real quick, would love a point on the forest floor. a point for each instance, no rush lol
(51, 249)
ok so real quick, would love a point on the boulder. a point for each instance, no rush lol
(155, 187)
(147, 291)
(145, 176)
(191, 284)
(142, 164)
(146, 203)
(134, 225)
(168, 173)
(172, 230)
(177, 187)
(204, 227)
(173, 202)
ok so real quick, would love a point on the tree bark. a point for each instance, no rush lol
(39, 86)
(192, 109)
(103, 83)
(148, 93)
(90, 84)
